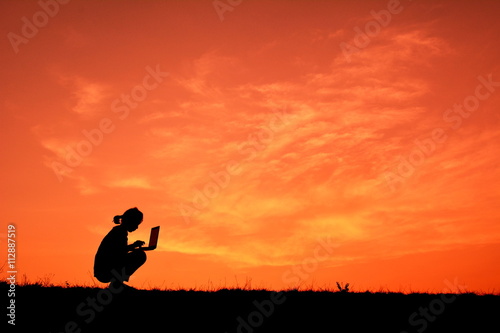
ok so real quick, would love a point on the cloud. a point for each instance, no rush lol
(88, 96)
(319, 175)
(133, 182)
(325, 140)
(203, 73)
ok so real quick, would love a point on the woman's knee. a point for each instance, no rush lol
(140, 256)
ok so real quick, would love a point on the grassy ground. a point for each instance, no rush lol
(84, 309)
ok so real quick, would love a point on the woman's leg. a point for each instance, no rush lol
(134, 260)
(122, 272)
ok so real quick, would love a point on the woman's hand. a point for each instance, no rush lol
(138, 244)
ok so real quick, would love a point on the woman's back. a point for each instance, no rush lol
(112, 251)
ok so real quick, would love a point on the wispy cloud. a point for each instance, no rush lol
(134, 182)
(88, 96)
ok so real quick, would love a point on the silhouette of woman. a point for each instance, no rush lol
(116, 260)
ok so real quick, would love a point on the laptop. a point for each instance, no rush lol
(153, 239)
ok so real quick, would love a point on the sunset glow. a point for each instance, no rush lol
(279, 143)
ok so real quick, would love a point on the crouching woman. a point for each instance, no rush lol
(116, 260)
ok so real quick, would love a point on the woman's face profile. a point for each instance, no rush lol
(133, 225)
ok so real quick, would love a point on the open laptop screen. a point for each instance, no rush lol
(153, 239)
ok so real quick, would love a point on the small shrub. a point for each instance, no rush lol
(343, 287)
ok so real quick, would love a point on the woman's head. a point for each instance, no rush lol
(130, 219)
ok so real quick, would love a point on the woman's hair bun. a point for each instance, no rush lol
(130, 215)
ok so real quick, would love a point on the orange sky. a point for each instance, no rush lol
(292, 143)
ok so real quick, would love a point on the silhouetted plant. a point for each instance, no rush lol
(343, 287)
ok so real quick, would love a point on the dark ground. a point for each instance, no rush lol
(56, 309)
